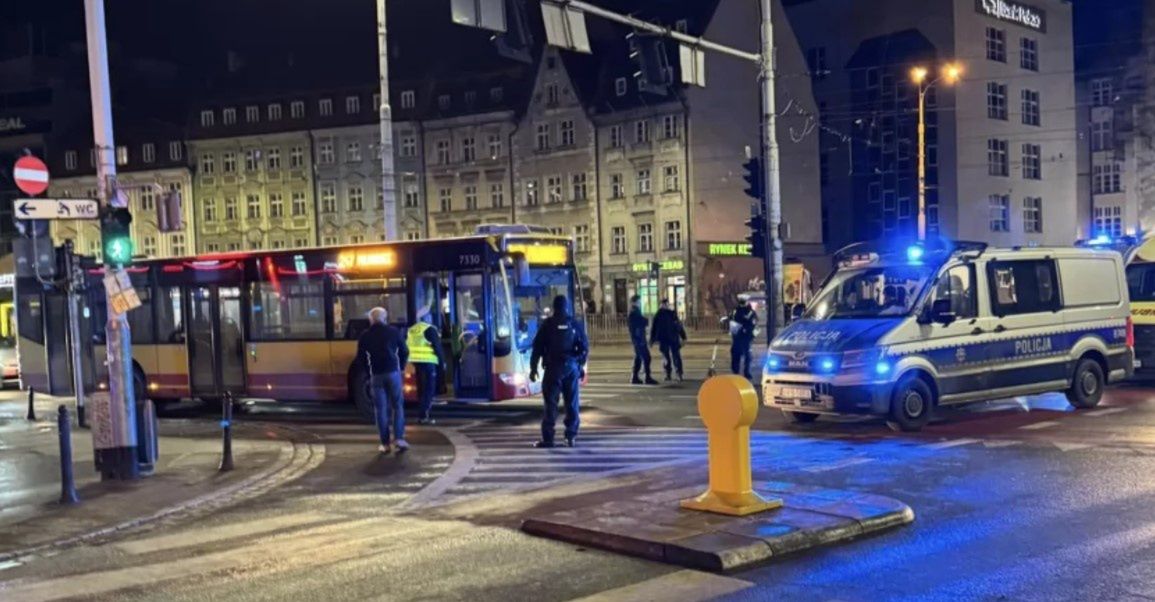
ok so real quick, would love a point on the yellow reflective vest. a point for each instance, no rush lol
(420, 349)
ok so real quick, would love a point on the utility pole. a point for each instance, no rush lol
(388, 187)
(119, 460)
(773, 263)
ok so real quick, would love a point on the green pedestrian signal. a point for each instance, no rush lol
(117, 237)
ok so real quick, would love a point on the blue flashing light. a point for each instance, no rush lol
(826, 365)
(914, 253)
(882, 368)
(773, 364)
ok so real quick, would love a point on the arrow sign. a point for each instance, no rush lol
(56, 209)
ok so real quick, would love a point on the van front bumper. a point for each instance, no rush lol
(813, 396)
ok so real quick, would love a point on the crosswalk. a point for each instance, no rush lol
(673, 391)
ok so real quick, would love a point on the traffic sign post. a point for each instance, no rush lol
(31, 175)
(25, 209)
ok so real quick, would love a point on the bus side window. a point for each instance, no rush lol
(169, 321)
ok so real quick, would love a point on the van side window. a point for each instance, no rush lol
(958, 285)
(1023, 287)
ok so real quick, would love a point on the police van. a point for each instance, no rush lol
(896, 332)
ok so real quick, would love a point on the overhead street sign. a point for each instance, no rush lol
(31, 175)
(56, 209)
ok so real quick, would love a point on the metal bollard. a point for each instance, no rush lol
(146, 437)
(728, 406)
(67, 484)
(31, 408)
(227, 426)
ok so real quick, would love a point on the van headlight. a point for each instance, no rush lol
(872, 359)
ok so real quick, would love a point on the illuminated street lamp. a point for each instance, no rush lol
(950, 73)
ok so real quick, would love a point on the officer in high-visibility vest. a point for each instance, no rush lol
(425, 354)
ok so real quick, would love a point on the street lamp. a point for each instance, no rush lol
(950, 73)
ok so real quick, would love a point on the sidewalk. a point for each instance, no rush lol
(185, 478)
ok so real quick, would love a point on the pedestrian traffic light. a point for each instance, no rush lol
(757, 236)
(117, 238)
(755, 181)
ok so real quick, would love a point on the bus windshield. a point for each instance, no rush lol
(873, 292)
(533, 300)
(1141, 282)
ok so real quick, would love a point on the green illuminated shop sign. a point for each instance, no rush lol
(728, 249)
(669, 265)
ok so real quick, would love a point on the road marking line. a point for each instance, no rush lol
(997, 444)
(1066, 446)
(212, 534)
(688, 586)
(1039, 425)
(948, 444)
(837, 465)
(1104, 412)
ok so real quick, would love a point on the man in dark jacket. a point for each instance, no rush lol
(637, 325)
(668, 333)
(383, 350)
(743, 321)
(562, 345)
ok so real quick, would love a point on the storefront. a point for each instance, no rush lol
(652, 281)
(727, 269)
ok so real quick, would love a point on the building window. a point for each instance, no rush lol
(996, 44)
(231, 213)
(328, 197)
(471, 197)
(494, 146)
(670, 179)
(996, 100)
(253, 206)
(300, 243)
(1102, 92)
(674, 235)
(1000, 207)
(816, 62)
(1102, 137)
(618, 245)
(579, 186)
(553, 190)
(252, 159)
(644, 186)
(408, 145)
(353, 152)
(617, 186)
(208, 164)
(177, 244)
(998, 164)
(325, 107)
(443, 152)
(206, 119)
(1029, 53)
(1033, 215)
(1031, 111)
(229, 116)
(229, 162)
(175, 151)
(497, 195)
(468, 150)
(1032, 162)
(412, 236)
(620, 86)
(356, 196)
(1107, 179)
(581, 235)
(148, 246)
(531, 193)
(670, 127)
(1109, 221)
(70, 160)
(297, 109)
(122, 155)
(412, 191)
(276, 205)
(616, 136)
(328, 241)
(567, 132)
(233, 246)
(542, 138)
(147, 198)
(551, 94)
(443, 102)
(148, 152)
(445, 196)
(641, 131)
(299, 206)
(645, 238)
(408, 99)
(252, 114)
(273, 158)
(352, 105)
(327, 154)
(275, 112)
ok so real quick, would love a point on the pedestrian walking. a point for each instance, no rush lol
(638, 324)
(669, 334)
(424, 342)
(561, 345)
(743, 322)
(383, 349)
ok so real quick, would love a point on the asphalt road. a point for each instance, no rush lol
(1018, 500)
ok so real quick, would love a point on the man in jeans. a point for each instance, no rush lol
(385, 353)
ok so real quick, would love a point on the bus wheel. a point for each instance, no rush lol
(359, 395)
(801, 417)
(910, 405)
(1087, 387)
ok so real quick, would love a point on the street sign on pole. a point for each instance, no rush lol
(56, 209)
(486, 14)
(693, 62)
(31, 175)
(565, 26)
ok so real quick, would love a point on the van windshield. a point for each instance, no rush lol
(1141, 281)
(872, 292)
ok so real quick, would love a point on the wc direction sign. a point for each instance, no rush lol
(56, 209)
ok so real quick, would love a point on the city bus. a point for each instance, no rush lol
(283, 324)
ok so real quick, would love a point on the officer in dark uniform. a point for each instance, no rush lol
(561, 342)
(638, 324)
(669, 334)
(743, 321)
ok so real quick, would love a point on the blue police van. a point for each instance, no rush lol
(899, 329)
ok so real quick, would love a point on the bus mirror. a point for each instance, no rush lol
(521, 269)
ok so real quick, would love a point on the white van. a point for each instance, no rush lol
(936, 323)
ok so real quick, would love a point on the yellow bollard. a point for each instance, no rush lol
(728, 406)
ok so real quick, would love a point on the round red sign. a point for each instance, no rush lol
(31, 175)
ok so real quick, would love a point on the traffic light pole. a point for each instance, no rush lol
(388, 185)
(75, 288)
(773, 191)
(116, 456)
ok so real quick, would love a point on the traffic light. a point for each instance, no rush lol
(757, 236)
(755, 181)
(117, 238)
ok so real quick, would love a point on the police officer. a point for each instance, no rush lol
(637, 325)
(743, 321)
(668, 333)
(424, 343)
(561, 342)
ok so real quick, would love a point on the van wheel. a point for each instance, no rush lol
(359, 395)
(1087, 386)
(910, 405)
(801, 417)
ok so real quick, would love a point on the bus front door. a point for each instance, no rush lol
(215, 345)
(470, 324)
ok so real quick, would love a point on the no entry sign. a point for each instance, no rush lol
(31, 175)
